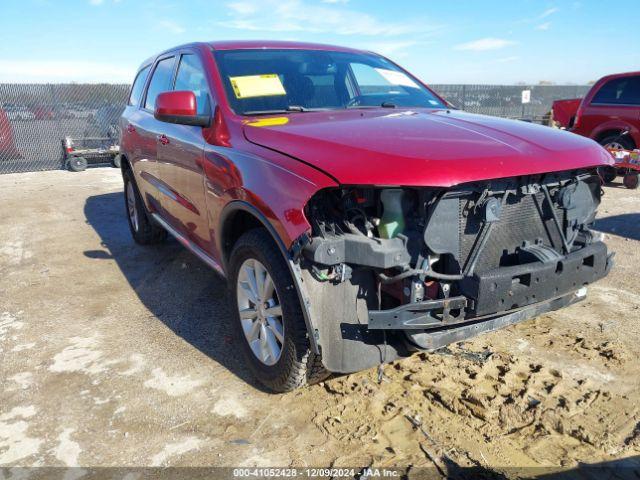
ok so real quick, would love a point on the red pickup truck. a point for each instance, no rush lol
(611, 107)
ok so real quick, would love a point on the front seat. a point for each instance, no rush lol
(300, 90)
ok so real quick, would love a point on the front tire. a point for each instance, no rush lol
(143, 229)
(268, 323)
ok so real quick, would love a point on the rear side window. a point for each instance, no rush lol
(138, 86)
(160, 81)
(191, 77)
(619, 91)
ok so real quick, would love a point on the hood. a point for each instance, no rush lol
(422, 147)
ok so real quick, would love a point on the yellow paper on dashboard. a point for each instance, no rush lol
(249, 86)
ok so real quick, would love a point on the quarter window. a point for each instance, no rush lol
(191, 77)
(160, 81)
(138, 86)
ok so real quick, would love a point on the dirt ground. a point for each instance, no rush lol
(114, 354)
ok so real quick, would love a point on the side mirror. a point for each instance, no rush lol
(179, 107)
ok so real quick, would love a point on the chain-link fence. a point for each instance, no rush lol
(34, 119)
(506, 100)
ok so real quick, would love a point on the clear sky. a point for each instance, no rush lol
(443, 41)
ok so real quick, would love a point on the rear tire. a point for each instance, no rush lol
(617, 142)
(143, 229)
(295, 364)
(630, 180)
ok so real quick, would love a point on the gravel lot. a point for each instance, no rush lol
(114, 354)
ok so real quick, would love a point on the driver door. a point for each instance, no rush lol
(180, 158)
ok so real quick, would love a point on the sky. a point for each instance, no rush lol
(482, 41)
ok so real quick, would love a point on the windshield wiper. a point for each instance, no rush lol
(383, 105)
(289, 109)
(300, 108)
(264, 112)
(296, 108)
(348, 107)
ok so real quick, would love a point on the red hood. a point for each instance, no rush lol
(423, 147)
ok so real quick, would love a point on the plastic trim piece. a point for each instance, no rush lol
(434, 339)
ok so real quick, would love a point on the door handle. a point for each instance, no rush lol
(163, 139)
(131, 128)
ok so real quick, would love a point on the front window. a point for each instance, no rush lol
(191, 77)
(274, 81)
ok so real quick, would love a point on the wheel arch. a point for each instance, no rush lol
(610, 130)
(125, 165)
(237, 217)
(606, 133)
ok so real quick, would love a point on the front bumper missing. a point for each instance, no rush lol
(434, 339)
(500, 291)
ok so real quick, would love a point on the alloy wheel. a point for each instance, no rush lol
(614, 146)
(131, 206)
(260, 312)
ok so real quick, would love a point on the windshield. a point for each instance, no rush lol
(274, 81)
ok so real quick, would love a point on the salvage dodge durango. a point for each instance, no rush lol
(357, 216)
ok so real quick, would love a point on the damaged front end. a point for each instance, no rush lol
(393, 270)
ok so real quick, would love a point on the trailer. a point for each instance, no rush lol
(627, 164)
(79, 153)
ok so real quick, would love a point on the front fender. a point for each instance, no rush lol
(264, 182)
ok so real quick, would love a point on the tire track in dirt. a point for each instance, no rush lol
(507, 410)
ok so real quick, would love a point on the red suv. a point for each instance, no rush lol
(357, 216)
(611, 107)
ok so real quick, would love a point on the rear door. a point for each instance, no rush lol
(149, 130)
(180, 157)
(135, 142)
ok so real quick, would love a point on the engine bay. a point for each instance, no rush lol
(443, 256)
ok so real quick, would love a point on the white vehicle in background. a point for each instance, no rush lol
(18, 112)
(80, 111)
